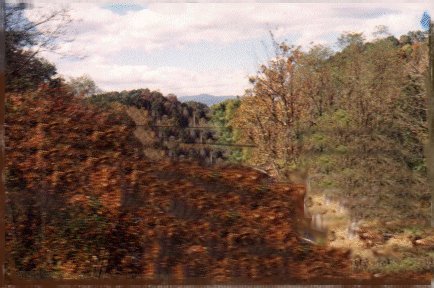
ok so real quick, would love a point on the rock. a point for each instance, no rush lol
(318, 222)
(427, 242)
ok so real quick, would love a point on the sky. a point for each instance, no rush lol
(195, 48)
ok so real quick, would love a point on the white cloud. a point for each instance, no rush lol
(166, 79)
(164, 25)
(101, 33)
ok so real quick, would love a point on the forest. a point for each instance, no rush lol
(103, 184)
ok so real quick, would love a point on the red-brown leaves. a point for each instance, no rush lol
(78, 180)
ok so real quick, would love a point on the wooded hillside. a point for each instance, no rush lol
(83, 200)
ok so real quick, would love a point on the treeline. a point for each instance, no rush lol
(355, 119)
(27, 71)
(168, 125)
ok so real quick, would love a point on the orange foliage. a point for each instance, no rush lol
(77, 179)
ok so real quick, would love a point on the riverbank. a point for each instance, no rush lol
(378, 248)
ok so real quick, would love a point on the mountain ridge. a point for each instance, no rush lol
(207, 99)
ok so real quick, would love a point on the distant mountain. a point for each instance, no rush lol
(206, 99)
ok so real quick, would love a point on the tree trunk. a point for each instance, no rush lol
(430, 94)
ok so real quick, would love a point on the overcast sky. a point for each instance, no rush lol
(195, 48)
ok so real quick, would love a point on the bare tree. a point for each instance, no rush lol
(24, 42)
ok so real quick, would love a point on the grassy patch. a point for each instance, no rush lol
(415, 263)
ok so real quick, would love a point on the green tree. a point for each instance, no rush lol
(356, 118)
(83, 86)
(373, 141)
(222, 115)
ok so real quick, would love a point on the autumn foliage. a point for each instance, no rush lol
(83, 201)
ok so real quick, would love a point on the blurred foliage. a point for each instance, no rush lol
(83, 201)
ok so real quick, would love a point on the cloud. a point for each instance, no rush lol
(102, 33)
(166, 79)
(164, 25)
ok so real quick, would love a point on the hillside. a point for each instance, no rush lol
(171, 132)
(83, 200)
